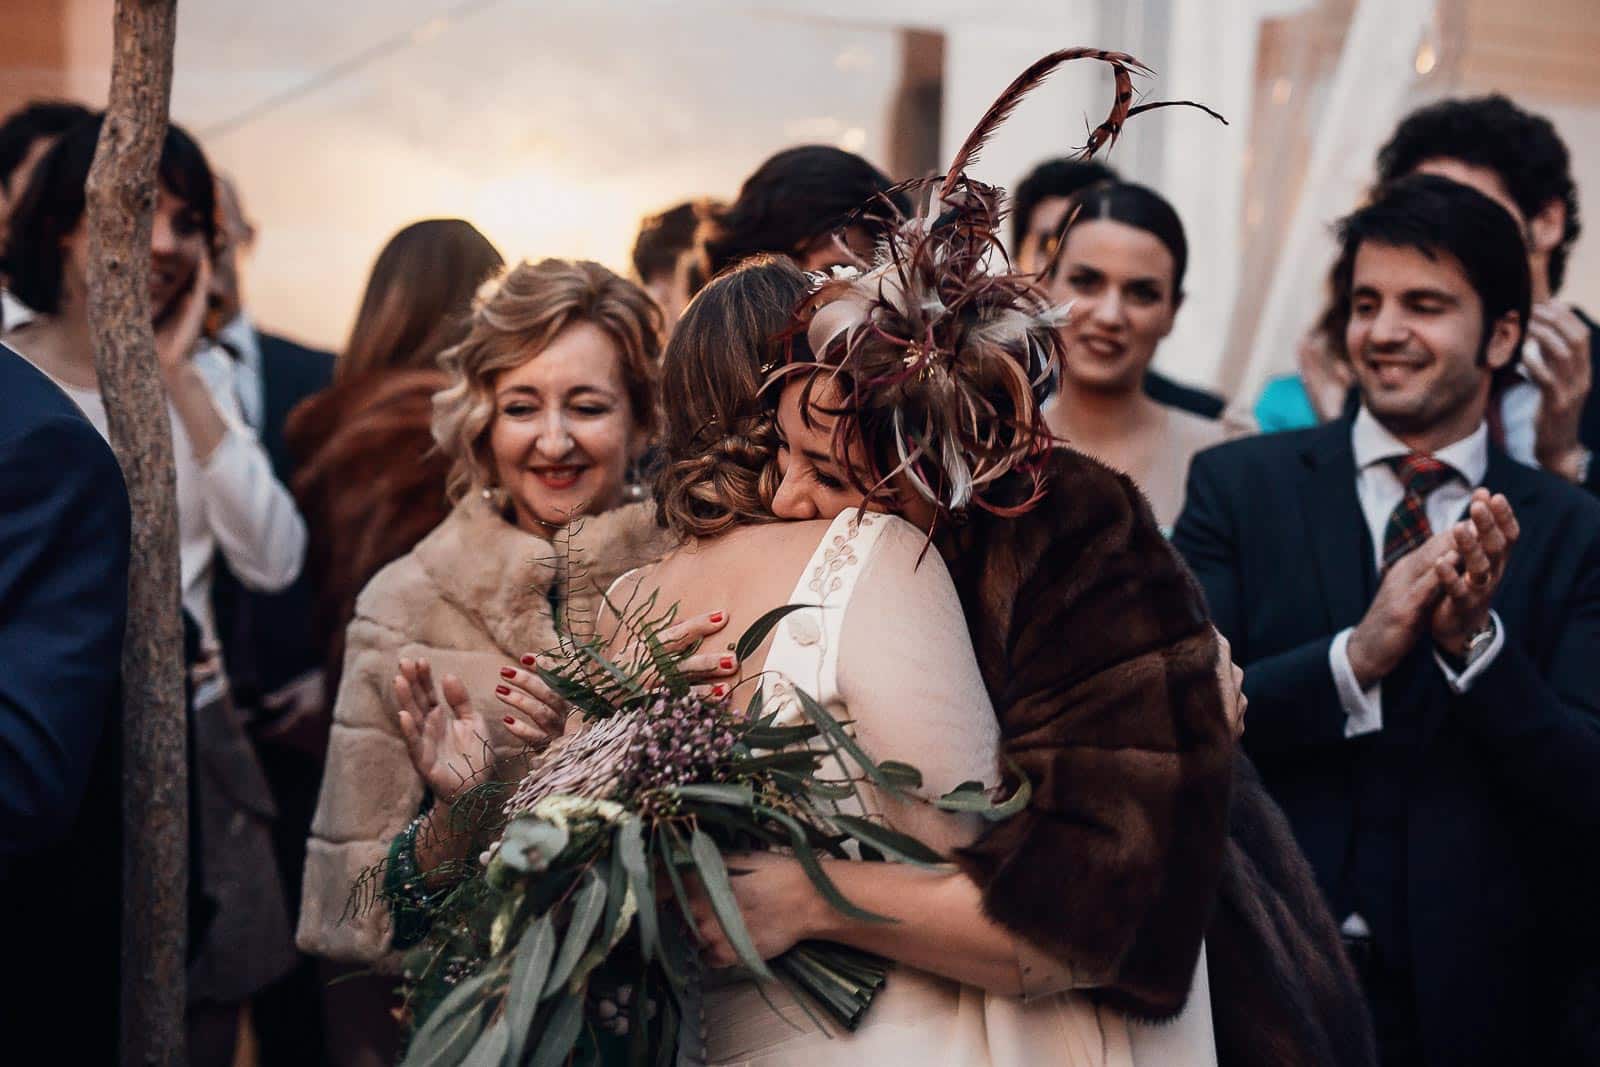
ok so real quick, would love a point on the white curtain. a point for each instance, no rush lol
(1364, 99)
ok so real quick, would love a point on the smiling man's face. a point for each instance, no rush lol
(1415, 336)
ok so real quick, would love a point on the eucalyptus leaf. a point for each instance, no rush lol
(452, 1027)
(577, 692)
(903, 775)
(676, 852)
(714, 877)
(758, 700)
(444, 1045)
(530, 966)
(738, 796)
(838, 738)
(974, 798)
(616, 896)
(813, 868)
(829, 791)
(490, 1049)
(751, 639)
(560, 1033)
(901, 846)
(625, 681)
(780, 755)
(587, 907)
(630, 850)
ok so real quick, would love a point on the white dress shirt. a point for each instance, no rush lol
(1379, 490)
(13, 312)
(232, 502)
(241, 341)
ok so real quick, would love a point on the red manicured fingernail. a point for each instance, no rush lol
(718, 690)
(510, 721)
(503, 690)
(726, 663)
(508, 672)
(716, 616)
(528, 660)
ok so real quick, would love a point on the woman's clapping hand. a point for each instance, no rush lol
(448, 739)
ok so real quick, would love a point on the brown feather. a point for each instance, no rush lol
(1024, 84)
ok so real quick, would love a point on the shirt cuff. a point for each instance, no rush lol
(1363, 708)
(1460, 683)
(1042, 974)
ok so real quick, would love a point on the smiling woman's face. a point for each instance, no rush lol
(1120, 280)
(564, 430)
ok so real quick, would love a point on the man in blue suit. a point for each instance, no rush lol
(1418, 616)
(64, 536)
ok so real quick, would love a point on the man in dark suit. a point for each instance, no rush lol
(274, 667)
(64, 536)
(1038, 213)
(1546, 411)
(1418, 616)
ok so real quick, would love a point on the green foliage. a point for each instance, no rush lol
(567, 908)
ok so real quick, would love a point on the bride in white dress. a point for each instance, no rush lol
(886, 649)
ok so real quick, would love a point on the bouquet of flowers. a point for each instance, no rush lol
(566, 945)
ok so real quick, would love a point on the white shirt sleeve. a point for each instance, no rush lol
(1363, 708)
(1460, 683)
(254, 519)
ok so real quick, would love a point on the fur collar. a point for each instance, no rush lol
(498, 574)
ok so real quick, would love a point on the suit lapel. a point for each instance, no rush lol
(1336, 531)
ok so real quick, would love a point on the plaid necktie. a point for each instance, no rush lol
(1408, 524)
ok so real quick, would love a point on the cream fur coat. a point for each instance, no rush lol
(472, 597)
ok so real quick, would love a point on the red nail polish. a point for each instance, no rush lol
(508, 672)
(718, 690)
(716, 617)
(510, 721)
(528, 660)
(503, 690)
(727, 663)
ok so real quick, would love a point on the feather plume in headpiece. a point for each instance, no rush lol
(938, 361)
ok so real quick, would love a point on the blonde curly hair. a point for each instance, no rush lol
(517, 316)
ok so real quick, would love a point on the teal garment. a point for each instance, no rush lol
(411, 906)
(1284, 405)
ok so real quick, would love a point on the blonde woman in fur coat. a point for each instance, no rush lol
(551, 405)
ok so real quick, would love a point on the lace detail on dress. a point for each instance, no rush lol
(838, 554)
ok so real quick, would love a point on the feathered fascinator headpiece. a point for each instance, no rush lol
(937, 359)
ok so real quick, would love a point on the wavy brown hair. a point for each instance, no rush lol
(418, 298)
(514, 322)
(718, 439)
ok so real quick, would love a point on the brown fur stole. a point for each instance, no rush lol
(1095, 648)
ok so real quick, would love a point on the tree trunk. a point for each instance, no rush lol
(121, 197)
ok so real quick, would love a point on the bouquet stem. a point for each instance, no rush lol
(841, 979)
